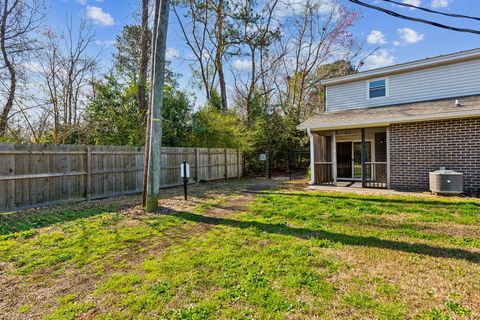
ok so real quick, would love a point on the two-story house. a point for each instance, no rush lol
(390, 127)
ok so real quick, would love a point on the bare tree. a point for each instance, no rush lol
(66, 71)
(205, 28)
(197, 25)
(314, 36)
(19, 20)
(220, 43)
(255, 29)
(289, 45)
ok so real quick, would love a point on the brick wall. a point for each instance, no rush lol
(420, 147)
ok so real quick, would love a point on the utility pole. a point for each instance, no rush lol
(149, 107)
(159, 44)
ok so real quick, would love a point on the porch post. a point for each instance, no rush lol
(334, 157)
(388, 156)
(312, 157)
(364, 157)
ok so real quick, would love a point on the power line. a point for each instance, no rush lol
(398, 15)
(454, 15)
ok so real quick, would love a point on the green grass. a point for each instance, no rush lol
(226, 274)
(70, 309)
(26, 222)
(92, 238)
(297, 255)
(340, 207)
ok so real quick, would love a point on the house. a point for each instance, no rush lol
(390, 127)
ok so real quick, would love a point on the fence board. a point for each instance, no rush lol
(36, 175)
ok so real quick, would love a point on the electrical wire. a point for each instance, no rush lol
(429, 22)
(454, 15)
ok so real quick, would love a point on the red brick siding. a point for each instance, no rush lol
(420, 147)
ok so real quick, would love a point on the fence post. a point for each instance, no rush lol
(209, 165)
(197, 165)
(11, 183)
(239, 168)
(88, 185)
(226, 164)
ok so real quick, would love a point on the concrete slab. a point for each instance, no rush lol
(356, 187)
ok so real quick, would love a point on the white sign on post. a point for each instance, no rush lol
(182, 170)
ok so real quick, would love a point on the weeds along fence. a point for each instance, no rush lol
(36, 175)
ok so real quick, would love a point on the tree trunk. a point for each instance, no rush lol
(251, 88)
(12, 74)
(219, 54)
(142, 81)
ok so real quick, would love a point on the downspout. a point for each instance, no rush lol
(312, 157)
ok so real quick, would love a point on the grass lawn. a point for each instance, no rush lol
(248, 249)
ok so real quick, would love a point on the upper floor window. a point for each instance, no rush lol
(377, 88)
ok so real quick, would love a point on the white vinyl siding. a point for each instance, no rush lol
(460, 79)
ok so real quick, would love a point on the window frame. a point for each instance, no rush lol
(386, 79)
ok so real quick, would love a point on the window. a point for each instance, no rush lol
(377, 88)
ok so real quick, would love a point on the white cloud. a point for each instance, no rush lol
(376, 37)
(292, 7)
(97, 15)
(172, 53)
(105, 43)
(410, 36)
(415, 3)
(396, 43)
(82, 2)
(242, 64)
(440, 3)
(381, 58)
(32, 66)
(206, 55)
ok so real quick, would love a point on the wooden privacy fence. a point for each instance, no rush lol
(35, 175)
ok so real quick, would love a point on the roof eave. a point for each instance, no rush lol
(387, 122)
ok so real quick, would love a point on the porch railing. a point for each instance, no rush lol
(324, 173)
(377, 175)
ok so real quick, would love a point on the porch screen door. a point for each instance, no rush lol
(344, 160)
(349, 159)
(357, 159)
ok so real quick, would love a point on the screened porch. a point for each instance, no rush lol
(353, 157)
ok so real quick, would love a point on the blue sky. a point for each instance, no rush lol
(425, 41)
(398, 40)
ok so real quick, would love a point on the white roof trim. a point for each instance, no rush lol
(386, 122)
(404, 67)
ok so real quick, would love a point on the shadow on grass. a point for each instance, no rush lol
(346, 239)
(370, 198)
(25, 221)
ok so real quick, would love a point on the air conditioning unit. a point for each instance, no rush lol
(446, 182)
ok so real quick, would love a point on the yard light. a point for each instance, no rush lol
(185, 174)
